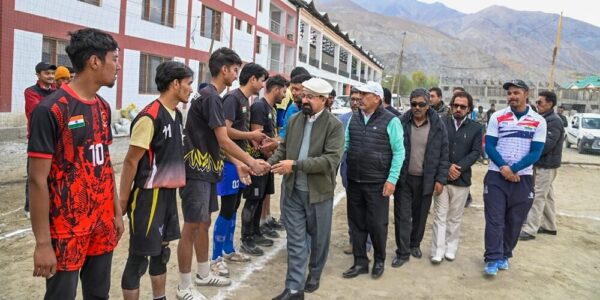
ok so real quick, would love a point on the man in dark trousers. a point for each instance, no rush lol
(375, 154)
(425, 170)
(464, 147)
(542, 215)
(308, 158)
(387, 102)
(514, 142)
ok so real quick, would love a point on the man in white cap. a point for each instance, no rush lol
(375, 152)
(308, 158)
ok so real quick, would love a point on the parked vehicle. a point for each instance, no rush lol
(584, 132)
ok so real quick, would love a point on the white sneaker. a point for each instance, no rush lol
(450, 256)
(189, 294)
(236, 257)
(219, 267)
(436, 260)
(212, 280)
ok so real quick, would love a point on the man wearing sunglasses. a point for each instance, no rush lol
(464, 145)
(375, 154)
(425, 169)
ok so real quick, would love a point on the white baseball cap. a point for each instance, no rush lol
(371, 87)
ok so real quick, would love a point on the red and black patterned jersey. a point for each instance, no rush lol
(75, 133)
(162, 165)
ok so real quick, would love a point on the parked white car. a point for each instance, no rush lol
(584, 132)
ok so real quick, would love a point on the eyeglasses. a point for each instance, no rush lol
(457, 106)
(309, 96)
(354, 99)
(419, 104)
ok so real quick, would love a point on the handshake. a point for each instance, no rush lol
(259, 167)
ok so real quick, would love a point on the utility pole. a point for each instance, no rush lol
(399, 69)
(555, 52)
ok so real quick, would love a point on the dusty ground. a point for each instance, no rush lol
(550, 267)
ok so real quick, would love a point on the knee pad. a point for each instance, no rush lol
(135, 268)
(158, 263)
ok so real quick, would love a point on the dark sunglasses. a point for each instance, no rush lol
(457, 106)
(419, 104)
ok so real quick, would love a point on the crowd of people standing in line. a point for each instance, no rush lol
(232, 147)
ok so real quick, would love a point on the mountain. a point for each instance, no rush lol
(496, 42)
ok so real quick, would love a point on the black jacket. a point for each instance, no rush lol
(552, 153)
(464, 147)
(436, 155)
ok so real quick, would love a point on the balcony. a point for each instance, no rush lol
(329, 68)
(343, 73)
(287, 69)
(275, 27)
(363, 80)
(275, 65)
(355, 77)
(314, 62)
(302, 57)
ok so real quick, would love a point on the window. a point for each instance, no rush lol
(203, 73)
(93, 2)
(238, 24)
(159, 11)
(53, 52)
(211, 24)
(260, 5)
(148, 64)
(249, 28)
(257, 42)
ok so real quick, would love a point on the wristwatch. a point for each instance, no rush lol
(294, 165)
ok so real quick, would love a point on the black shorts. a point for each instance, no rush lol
(153, 220)
(198, 200)
(260, 187)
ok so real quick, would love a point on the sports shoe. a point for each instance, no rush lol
(449, 256)
(269, 232)
(502, 264)
(275, 224)
(524, 236)
(491, 268)
(189, 294)
(219, 267)
(261, 240)
(212, 280)
(436, 260)
(250, 248)
(236, 257)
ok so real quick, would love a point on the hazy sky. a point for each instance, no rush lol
(584, 10)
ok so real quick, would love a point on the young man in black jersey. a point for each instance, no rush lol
(237, 119)
(205, 137)
(154, 166)
(75, 215)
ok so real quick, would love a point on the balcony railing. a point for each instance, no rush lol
(355, 77)
(343, 73)
(275, 65)
(275, 27)
(363, 80)
(314, 62)
(302, 57)
(329, 68)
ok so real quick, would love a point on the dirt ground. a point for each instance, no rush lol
(550, 267)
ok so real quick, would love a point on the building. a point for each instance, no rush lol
(148, 32)
(329, 53)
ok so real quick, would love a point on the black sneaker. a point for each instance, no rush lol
(249, 247)
(275, 224)
(261, 240)
(269, 232)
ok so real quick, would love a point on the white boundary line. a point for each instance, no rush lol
(15, 233)
(259, 263)
(10, 212)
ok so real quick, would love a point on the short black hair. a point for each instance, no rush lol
(332, 93)
(276, 81)
(298, 71)
(437, 91)
(387, 96)
(252, 70)
(222, 57)
(171, 70)
(300, 78)
(458, 88)
(462, 94)
(420, 92)
(87, 42)
(550, 96)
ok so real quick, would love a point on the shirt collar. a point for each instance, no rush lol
(314, 117)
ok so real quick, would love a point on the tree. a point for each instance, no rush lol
(419, 79)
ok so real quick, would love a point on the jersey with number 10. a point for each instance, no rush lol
(75, 133)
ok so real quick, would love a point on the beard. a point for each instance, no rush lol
(457, 116)
(307, 109)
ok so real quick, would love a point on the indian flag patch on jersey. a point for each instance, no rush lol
(76, 122)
